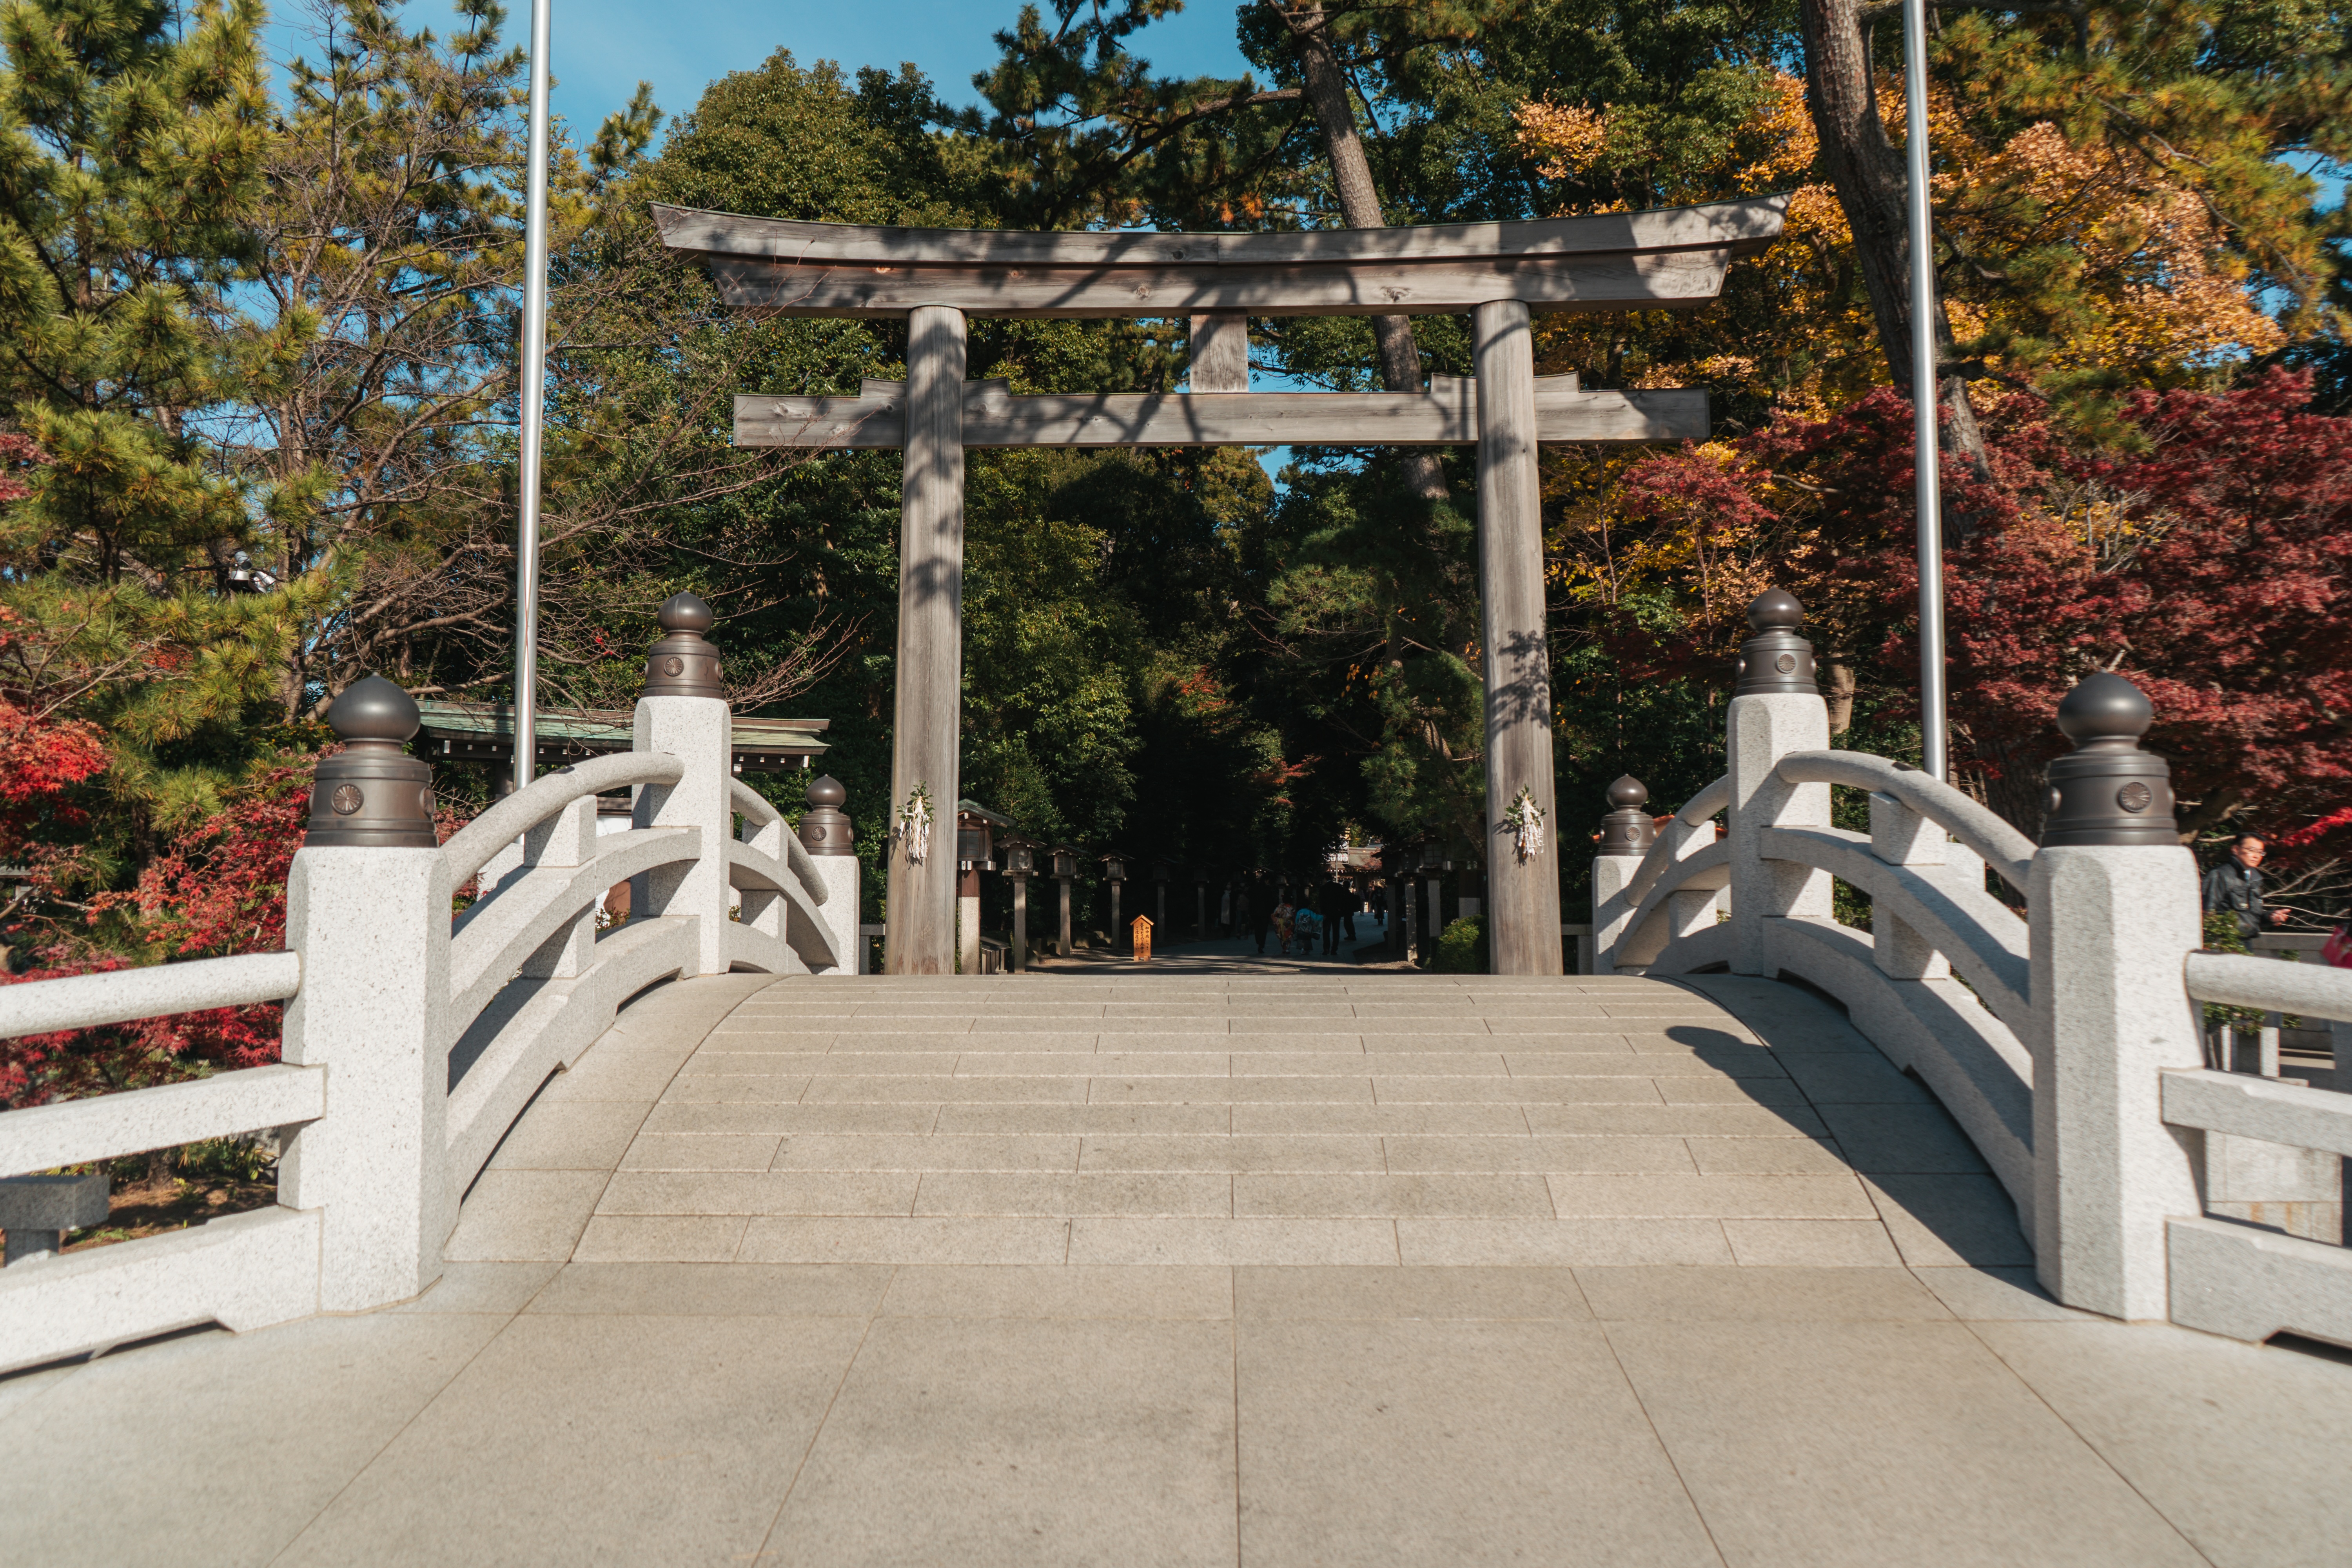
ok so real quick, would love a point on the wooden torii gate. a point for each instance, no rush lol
(1498, 272)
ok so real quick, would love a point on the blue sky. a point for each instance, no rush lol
(603, 47)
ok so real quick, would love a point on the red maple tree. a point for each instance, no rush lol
(216, 890)
(2209, 565)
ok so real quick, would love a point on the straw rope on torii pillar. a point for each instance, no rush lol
(1496, 272)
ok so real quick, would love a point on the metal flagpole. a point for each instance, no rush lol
(1935, 757)
(533, 375)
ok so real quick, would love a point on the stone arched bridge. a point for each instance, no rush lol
(1206, 1264)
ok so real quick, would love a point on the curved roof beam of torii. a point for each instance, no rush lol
(1664, 258)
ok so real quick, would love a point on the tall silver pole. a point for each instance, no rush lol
(1934, 757)
(534, 373)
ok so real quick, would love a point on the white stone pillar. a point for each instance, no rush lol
(839, 911)
(825, 833)
(967, 921)
(373, 928)
(682, 711)
(1774, 709)
(2112, 926)
(698, 732)
(831, 842)
(1626, 834)
(2115, 915)
(367, 905)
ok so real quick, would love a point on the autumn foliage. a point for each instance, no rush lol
(218, 890)
(2207, 563)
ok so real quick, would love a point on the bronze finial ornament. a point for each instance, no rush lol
(1628, 829)
(370, 796)
(682, 663)
(825, 826)
(1776, 659)
(2108, 791)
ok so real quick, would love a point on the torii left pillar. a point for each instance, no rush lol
(1522, 914)
(927, 732)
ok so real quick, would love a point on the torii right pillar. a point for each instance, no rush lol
(1522, 885)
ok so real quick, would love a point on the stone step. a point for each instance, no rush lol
(1061, 1118)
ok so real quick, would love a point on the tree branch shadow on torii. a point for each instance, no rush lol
(1498, 273)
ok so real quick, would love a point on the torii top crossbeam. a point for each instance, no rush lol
(1497, 273)
(1669, 257)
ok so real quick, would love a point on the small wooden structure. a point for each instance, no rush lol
(1497, 273)
(1142, 939)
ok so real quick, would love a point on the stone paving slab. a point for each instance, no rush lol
(838, 1282)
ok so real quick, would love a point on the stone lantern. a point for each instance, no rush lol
(976, 828)
(1163, 871)
(1114, 866)
(1436, 860)
(1398, 862)
(1020, 854)
(1065, 862)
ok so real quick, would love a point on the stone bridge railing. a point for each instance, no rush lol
(414, 1038)
(2065, 1040)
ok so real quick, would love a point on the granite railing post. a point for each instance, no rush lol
(1626, 834)
(1775, 709)
(683, 711)
(2113, 903)
(825, 833)
(367, 905)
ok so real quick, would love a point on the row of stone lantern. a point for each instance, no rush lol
(1415, 869)
(1119, 869)
(1025, 858)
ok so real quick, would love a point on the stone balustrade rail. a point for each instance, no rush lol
(415, 1036)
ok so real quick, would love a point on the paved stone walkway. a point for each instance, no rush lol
(1217, 1262)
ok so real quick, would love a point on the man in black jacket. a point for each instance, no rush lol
(1331, 904)
(2236, 885)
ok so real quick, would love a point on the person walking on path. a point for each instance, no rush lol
(2236, 886)
(1331, 903)
(1259, 904)
(1284, 912)
(1307, 923)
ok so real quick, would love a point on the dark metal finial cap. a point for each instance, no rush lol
(2105, 710)
(371, 796)
(1776, 609)
(1776, 660)
(373, 709)
(682, 663)
(684, 613)
(825, 826)
(1628, 830)
(2108, 791)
